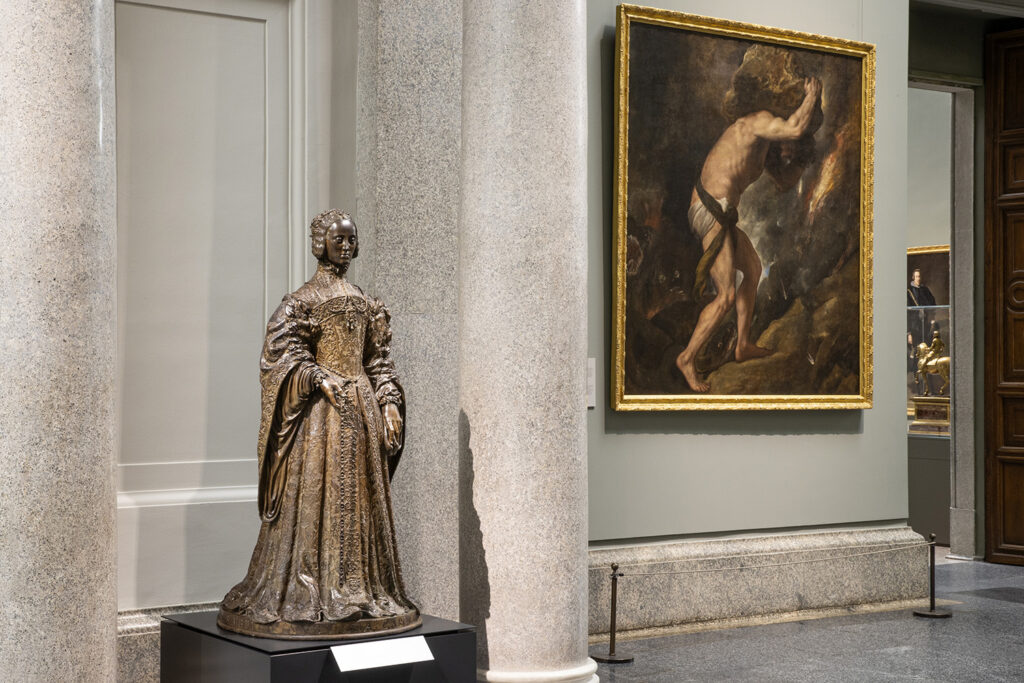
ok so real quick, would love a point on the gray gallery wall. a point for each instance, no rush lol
(668, 474)
(947, 41)
(930, 157)
(929, 222)
(949, 44)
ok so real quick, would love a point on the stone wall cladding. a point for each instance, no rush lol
(812, 570)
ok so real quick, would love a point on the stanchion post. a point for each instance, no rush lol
(931, 612)
(612, 657)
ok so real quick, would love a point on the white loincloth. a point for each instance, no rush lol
(701, 219)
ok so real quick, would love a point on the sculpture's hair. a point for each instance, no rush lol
(318, 231)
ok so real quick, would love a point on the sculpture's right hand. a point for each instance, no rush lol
(333, 391)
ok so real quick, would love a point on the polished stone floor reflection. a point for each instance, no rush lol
(984, 641)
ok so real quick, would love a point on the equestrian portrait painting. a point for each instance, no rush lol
(743, 196)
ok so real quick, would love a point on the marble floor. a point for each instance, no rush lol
(983, 641)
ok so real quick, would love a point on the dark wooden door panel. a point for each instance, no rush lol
(1011, 56)
(1004, 299)
(1013, 353)
(1012, 477)
(1015, 294)
(1013, 421)
(1013, 171)
(1010, 224)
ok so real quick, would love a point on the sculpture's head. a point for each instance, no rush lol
(334, 238)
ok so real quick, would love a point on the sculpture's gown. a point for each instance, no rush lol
(325, 564)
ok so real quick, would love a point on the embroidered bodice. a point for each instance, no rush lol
(342, 322)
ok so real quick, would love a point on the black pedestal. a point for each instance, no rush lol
(194, 649)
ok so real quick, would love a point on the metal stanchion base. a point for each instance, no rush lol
(933, 613)
(612, 659)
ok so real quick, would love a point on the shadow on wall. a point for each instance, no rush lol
(474, 586)
(736, 422)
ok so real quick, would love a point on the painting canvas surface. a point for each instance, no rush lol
(934, 275)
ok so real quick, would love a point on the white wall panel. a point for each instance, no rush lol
(204, 185)
(929, 162)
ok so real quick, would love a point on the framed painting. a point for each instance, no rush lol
(928, 276)
(927, 294)
(743, 196)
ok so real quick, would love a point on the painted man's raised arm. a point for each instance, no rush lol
(775, 128)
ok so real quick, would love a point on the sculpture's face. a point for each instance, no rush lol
(341, 242)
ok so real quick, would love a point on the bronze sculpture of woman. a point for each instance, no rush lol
(326, 563)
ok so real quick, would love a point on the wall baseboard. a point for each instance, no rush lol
(138, 641)
(706, 580)
(726, 579)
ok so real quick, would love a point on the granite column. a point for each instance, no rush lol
(408, 139)
(57, 337)
(522, 339)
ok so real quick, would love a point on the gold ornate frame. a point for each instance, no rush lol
(931, 249)
(629, 14)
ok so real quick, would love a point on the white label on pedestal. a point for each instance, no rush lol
(591, 382)
(378, 653)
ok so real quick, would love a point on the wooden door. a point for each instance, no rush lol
(1004, 307)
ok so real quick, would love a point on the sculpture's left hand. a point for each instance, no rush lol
(392, 427)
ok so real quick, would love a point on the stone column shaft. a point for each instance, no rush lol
(522, 339)
(408, 171)
(57, 337)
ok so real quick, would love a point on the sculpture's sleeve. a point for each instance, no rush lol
(377, 357)
(289, 376)
(289, 345)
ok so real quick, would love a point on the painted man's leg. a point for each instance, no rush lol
(748, 263)
(723, 274)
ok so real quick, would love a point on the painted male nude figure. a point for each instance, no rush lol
(774, 115)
